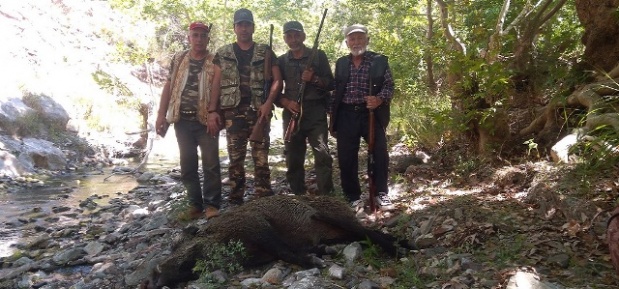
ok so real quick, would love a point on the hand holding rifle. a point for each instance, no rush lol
(291, 105)
(258, 131)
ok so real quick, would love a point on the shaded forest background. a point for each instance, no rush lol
(507, 79)
(482, 81)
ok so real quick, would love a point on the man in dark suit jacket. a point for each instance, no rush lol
(363, 82)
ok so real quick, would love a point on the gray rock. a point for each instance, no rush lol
(69, 255)
(337, 272)
(367, 284)
(352, 252)
(528, 280)
(273, 276)
(219, 276)
(93, 248)
(562, 260)
(9, 165)
(145, 177)
(309, 282)
(22, 261)
(41, 154)
(252, 282)
(101, 270)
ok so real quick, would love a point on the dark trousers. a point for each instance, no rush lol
(352, 125)
(191, 134)
(313, 129)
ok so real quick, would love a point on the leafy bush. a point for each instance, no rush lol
(221, 257)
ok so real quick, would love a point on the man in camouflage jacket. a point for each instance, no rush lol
(238, 88)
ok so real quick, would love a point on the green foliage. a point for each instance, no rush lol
(408, 277)
(111, 84)
(221, 257)
(398, 29)
(371, 253)
(421, 120)
(34, 124)
(465, 166)
(531, 145)
(508, 251)
(599, 153)
(178, 208)
(131, 53)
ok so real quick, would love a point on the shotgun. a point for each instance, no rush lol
(295, 120)
(371, 162)
(258, 131)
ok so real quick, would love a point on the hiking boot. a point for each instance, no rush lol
(191, 213)
(383, 202)
(211, 212)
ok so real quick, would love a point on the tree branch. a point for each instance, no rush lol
(456, 43)
(552, 12)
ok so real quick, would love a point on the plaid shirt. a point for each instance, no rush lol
(358, 83)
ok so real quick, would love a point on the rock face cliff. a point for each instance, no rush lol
(64, 77)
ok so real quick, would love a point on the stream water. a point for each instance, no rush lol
(19, 206)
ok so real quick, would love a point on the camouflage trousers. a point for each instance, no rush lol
(239, 122)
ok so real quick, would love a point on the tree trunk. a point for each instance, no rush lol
(599, 17)
(428, 54)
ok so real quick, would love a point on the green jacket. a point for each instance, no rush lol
(231, 80)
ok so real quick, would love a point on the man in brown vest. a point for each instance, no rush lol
(184, 102)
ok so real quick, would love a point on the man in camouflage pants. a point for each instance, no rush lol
(238, 88)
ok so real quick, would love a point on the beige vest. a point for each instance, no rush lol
(177, 85)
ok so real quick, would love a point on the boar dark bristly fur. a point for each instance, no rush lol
(273, 228)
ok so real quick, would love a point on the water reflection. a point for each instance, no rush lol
(21, 207)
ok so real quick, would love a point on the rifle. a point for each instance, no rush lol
(295, 120)
(257, 132)
(371, 162)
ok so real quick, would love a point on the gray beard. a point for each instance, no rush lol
(358, 51)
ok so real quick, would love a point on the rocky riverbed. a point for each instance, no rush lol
(111, 244)
(107, 246)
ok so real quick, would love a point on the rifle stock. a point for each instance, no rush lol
(259, 129)
(294, 124)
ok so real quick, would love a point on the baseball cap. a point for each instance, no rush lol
(293, 25)
(355, 28)
(198, 25)
(243, 15)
